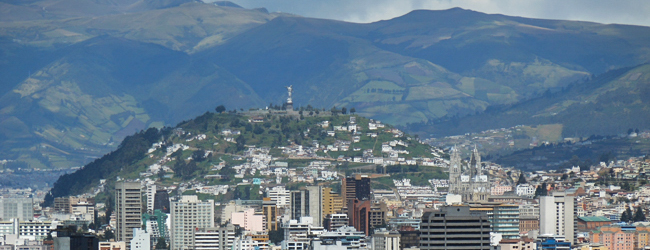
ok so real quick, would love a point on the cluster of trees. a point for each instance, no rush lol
(132, 149)
(628, 216)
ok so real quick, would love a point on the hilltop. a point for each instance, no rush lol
(212, 148)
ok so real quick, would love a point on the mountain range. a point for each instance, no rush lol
(79, 76)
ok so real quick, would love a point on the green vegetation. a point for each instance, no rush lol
(202, 155)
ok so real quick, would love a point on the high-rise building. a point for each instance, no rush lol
(270, 211)
(151, 194)
(366, 214)
(455, 227)
(316, 204)
(504, 218)
(128, 210)
(299, 204)
(161, 201)
(280, 195)
(332, 202)
(468, 181)
(249, 220)
(409, 237)
(156, 225)
(220, 238)
(557, 216)
(188, 214)
(308, 203)
(385, 240)
(67, 238)
(355, 187)
(17, 208)
(336, 221)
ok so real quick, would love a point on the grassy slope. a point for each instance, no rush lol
(609, 104)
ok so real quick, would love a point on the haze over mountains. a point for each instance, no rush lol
(78, 76)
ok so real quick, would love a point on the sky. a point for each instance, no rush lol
(636, 12)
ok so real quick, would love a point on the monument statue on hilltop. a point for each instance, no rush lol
(289, 100)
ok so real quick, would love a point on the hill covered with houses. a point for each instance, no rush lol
(221, 149)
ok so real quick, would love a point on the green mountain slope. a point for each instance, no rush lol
(609, 104)
(83, 104)
(78, 76)
(193, 148)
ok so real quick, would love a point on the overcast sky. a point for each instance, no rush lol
(603, 11)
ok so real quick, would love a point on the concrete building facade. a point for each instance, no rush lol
(188, 214)
(557, 216)
(454, 227)
(128, 210)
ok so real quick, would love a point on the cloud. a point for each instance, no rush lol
(602, 11)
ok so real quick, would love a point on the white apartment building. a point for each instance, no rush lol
(187, 214)
(220, 238)
(557, 215)
(281, 196)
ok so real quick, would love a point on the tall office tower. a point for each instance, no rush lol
(505, 221)
(270, 211)
(161, 201)
(308, 203)
(355, 187)
(557, 215)
(151, 194)
(299, 204)
(17, 208)
(365, 214)
(385, 240)
(504, 218)
(128, 210)
(316, 204)
(188, 214)
(455, 227)
(220, 238)
(332, 202)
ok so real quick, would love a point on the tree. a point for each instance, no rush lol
(108, 234)
(199, 155)
(344, 110)
(639, 215)
(627, 215)
(353, 110)
(522, 179)
(334, 110)
(220, 109)
(541, 190)
(240, 142)
(161, 244)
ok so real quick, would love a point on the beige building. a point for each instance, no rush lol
(332, 202)
(112, 245)
(128, 210)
